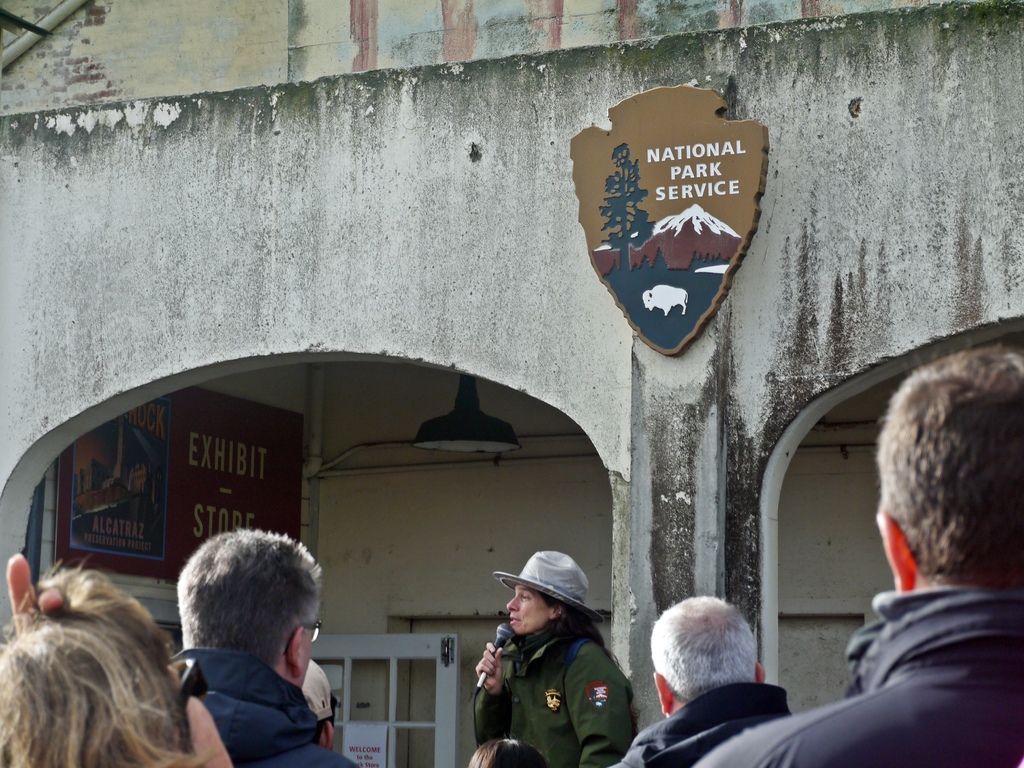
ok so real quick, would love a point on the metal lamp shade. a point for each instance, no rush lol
(467, 428)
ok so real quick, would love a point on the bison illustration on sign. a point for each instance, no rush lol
(669, 200)
(664, 297)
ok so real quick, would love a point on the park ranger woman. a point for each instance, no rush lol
(555, 685)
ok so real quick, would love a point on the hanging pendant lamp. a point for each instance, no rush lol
(467, 428)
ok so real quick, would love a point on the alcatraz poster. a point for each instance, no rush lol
(140, 493)
(118, 485)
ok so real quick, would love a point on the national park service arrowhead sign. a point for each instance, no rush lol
(669, 200)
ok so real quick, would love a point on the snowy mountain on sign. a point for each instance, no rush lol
(692, 234)
(698, 219)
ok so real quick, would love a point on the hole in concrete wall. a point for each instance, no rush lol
(855, 107)
(475, 152)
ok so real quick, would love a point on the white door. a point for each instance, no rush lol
(380, 681)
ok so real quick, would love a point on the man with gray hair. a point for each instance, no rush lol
(249, 602)
(710, 684)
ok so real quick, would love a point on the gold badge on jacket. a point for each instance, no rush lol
(554, 699)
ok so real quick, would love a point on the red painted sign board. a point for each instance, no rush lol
(138, 494)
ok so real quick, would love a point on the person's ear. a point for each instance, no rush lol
(665, 696)
(327, 735)
(758, 672)
(293, 661)
(897, 552)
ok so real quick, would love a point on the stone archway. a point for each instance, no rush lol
(407, 538)
(822, 561)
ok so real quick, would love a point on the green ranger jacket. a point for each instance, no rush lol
(578, 717)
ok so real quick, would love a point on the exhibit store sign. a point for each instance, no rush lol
(669, 199)
(139, 494)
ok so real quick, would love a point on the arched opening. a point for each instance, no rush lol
(823, 561)
(407, 539)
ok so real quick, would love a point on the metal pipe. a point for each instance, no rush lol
(348, 453)
(49, 22)
(436, 465)
(50, 518)
(314, 454)
(314, 457)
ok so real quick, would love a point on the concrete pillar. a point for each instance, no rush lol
(677, 491)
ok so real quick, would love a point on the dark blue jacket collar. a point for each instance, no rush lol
(258, 713)
(708, 720)
(926, 624)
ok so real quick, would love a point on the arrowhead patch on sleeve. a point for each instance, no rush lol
(597, 692)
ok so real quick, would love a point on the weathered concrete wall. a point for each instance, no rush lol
(892, 219)
(899, 223)
(116, 50)
(381, 215)
(354, 215)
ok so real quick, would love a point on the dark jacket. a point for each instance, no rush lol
(576, 716)
(263, 719)
(942, 685)
(684, 738)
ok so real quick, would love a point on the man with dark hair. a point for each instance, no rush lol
(249, 603)
(709, 683)
(940, 681)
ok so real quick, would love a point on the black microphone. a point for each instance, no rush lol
(504, 635)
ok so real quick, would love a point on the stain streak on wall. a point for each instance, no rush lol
(546, 19)
(363, 15)
(629, 23)
(732, 14)
(460, 30)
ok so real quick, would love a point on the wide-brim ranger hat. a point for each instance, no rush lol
(556, 575)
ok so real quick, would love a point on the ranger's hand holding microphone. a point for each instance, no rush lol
(489, 667)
